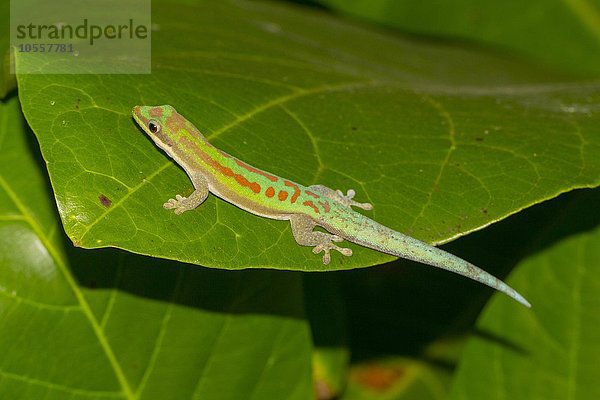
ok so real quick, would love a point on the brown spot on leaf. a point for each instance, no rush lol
(105, 201)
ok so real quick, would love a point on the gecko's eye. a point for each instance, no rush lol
(153, 126)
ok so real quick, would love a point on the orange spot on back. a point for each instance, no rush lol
(312, 205)
(325, 206)
(296, 190)
(282, 195)
(313, 194)
(270, 192)
(250, 168)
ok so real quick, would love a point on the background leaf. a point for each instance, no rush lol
(326, 314)
(565, 34)
(397, 379)
(549, 352)
(422, 316)
(442, 140)
(110, 325)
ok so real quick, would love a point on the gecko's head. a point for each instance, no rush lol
(154, 120)
(161, 123)
(165, 126)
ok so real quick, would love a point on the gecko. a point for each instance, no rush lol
(305, 207)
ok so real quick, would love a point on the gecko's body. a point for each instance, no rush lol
(267, 195)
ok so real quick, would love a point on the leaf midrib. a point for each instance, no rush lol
(87, 311)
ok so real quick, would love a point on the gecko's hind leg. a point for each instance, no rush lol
(302, 229)
(338, 196)
(182, 204)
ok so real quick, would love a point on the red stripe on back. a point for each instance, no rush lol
(255, 187)
(250, 168)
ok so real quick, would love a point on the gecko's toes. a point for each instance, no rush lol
(346, 199)
(350, 193)
(171, 203)
(345, 251)
(336, 238)
(178, 204)
(325, 248)
(365, 206)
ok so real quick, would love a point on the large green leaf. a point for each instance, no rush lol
(565, 34)
(107, 324)
(441, 140)
(326, 314)
(550, 351)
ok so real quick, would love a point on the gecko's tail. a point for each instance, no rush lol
(395, 243)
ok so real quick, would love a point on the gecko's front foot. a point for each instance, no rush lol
(179, 204)
(347, 200)
(328, 246)
(182, 204)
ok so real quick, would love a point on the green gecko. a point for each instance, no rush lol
(267, 195)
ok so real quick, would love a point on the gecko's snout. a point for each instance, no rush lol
(138, 111)
(140, 115)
